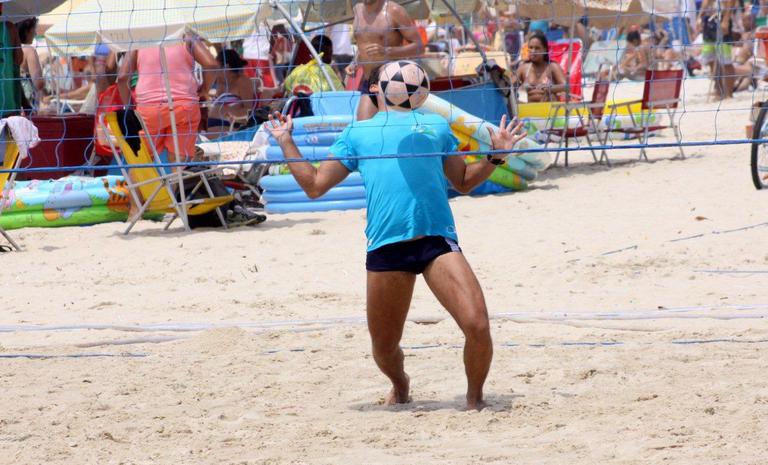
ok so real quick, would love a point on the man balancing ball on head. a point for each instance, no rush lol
(410, 227)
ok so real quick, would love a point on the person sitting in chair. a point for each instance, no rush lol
(542, 79)
(236, 94)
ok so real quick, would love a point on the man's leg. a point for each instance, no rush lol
(389, 297)
(454, 284)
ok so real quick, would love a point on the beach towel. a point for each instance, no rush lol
(24, 133)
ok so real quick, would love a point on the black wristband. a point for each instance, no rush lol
(496, 161)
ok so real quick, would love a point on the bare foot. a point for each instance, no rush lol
(476, 404)
(399, 394)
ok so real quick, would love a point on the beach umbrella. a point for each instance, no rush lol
(600, 13)
(19, 10)
(331, 11)
(58, 13)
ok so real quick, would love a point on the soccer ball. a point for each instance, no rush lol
(404, 84)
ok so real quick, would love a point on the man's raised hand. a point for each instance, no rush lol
(280, 127)
(506, 137)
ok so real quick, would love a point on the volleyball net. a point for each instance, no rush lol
(618, 76)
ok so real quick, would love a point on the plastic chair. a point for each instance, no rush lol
(155, 188)
(589, 116)
(661, 92)
(11, 160)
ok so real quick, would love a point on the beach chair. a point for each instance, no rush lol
(661, 93)
(157, 189)
(589, 116)
(11, 160)
(559, 53)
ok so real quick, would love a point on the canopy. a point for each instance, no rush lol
(18, 10)
(328, 11)
(59, 13)
(600, 13)
(131, 24)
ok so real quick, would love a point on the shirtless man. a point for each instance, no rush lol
(381, 28)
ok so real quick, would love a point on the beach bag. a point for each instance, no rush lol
(219, 189)
(311, 75)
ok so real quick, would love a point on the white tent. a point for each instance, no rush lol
(135, 24)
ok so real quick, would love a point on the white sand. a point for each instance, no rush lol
(307, 393)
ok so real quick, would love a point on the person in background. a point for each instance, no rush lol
(343, 53)
(31, 72)
(542, 79)
(236, 93)
(281, 49)
(105, 67)
(151, 95)
(384, 32)
(11, 57)
(256, 51)
(716, 26)
(636, 58)
(310, 75)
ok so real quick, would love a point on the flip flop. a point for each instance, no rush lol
(5, 248)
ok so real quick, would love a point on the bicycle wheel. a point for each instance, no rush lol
(759, 158)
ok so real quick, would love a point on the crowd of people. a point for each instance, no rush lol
(720, 38)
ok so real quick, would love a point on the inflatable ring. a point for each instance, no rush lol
(310, 153)
(320, 124)
(337, 193)
(315, 206)
(319, 138)
(286, 182)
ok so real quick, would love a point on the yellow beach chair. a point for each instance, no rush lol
(154, 191)
(10, 161)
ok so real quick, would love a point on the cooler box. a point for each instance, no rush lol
(65, 140)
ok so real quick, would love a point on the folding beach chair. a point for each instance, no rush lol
(11, 160)
(661, 93)
(589, 116)
(559, 53)
(157, 189)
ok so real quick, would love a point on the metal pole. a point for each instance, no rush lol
(276, 4)
(175, 134)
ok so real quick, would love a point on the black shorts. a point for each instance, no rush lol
(410, 256)
(365, 89)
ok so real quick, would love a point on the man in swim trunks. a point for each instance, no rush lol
(410, 226)
(381, 28)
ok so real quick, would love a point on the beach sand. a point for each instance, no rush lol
(628, 310)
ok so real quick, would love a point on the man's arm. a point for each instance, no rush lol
(209, 64)
(464, 178)
(124, 76)
(408, 30)
(314, 181)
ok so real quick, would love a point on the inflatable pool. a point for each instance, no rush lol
(283, 195)
(69, 201)
(314, 136)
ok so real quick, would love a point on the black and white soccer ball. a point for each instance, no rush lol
(404, 84)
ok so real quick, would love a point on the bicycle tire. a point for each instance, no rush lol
(755, 153)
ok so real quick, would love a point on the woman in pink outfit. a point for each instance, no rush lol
(152, 98)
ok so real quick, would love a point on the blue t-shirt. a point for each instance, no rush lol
(407, 197)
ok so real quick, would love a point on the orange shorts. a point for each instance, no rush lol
(157, 119)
